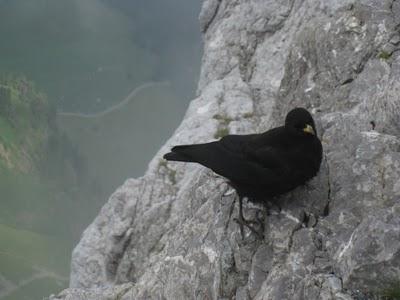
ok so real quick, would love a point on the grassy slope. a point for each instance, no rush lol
(32, 261)
(24, 123)
(27, 202)
(27, 205)
(7, 135)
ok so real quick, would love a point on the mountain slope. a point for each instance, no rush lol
(171, 234)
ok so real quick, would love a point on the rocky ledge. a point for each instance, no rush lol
(171, 235)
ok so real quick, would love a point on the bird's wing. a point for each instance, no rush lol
(250, 162)
(268, 157)
(250, 148)
(237, 143)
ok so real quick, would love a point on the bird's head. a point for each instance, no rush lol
(300, 121)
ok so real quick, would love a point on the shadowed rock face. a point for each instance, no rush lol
(171, 234)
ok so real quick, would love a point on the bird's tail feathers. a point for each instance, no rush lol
(178, 153)
(175, 157)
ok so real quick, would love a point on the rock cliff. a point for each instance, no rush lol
(171, 235)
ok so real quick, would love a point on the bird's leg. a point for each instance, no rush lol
(242, 221)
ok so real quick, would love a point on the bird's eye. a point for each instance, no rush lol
(299, 126)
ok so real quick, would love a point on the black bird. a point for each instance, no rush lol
(261, 166)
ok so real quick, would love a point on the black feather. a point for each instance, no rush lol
(261, 165)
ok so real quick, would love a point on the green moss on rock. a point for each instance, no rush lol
(391, 292)
(221, 132)
(384, 55)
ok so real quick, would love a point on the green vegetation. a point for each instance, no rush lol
(87, 53)
(223, 126)
(221, 132)
(35, 191)
(32, 202)
(32, 261)
(37, 162)
(7, 134)
(391, 291)
(35, 289)
(248, 115)
(27, 249)
(24, 123)
(45, 179)
(384, 55)
(223, 120)
(14, 268)
(19, 98)
(93, 54)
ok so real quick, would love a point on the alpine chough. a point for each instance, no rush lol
(261, 166)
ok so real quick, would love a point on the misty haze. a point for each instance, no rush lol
(89, 91)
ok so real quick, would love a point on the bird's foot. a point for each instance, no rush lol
(259, 232)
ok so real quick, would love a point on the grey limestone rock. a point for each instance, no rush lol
(171, 234)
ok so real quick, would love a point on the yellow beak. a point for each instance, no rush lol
(309, 129)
